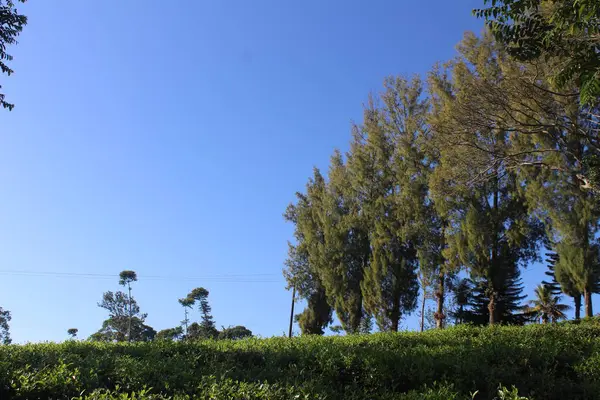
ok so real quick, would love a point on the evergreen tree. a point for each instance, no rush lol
(186, 303)
(489, 229)
(509, 307)
(551, 260)
(125, 279)
(346, 249)
(305, 262)
(390, 286)
(463, 293)
(563, 284)
(207, 327)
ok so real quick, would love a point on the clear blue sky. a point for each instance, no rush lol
(168, 138)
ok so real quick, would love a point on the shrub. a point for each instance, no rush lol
(541, 362)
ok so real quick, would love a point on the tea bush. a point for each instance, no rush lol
(541, 362)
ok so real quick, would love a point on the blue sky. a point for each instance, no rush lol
(169, 140)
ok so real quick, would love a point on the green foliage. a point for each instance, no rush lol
(565, 29)
(558, 361)
(125, 321)
(546, 305)
(4, 327)
(127, 277)
(72, 332)
(235, 333)
(170, 334)
(11, 25)
(206, 328)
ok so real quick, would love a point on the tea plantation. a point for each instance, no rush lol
(541, 361)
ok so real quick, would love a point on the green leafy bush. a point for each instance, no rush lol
(541, 362)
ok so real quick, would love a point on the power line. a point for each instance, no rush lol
(243, 278)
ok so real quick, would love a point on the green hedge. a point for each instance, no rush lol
(542, 362)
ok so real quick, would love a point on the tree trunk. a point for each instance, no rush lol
(577, 300)
(494, 254)
(492, 308)
(587, 295)
(423, 310)
(292, 311)
(129, 324)
(439, 295)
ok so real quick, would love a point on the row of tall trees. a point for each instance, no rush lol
(127, 323)
(467, 173)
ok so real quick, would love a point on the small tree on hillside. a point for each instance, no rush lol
(72, 332)
(186, 303)
(207, 324)
(125, 279)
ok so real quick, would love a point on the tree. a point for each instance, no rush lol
(235, 333)
(125, 279)
(463, 292)
(115, 329)
(347, 248)
(551, 260)
(170, 334)
(568, 30)
(5, 318)
(508, 307)
(125, 321)
(11, 25)
(207, 325)
(561, 281)
(303, 263)
(72, 332)
(490, 230)
(546, 305)
(186, 303)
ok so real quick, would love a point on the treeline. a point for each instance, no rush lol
(126, 322)
(451, 186)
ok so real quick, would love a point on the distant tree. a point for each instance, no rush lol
(5, 318)
(207, 324)
(125, 321)
(115, 329)
(170, 334)
(546, 305)
(72, 332)
(551, 260)
(125, 279)
(462, 291)
(11, 25)
(560, 281)
(235, 333)
(186, 303)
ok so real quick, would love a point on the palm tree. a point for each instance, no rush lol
(546, 306)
